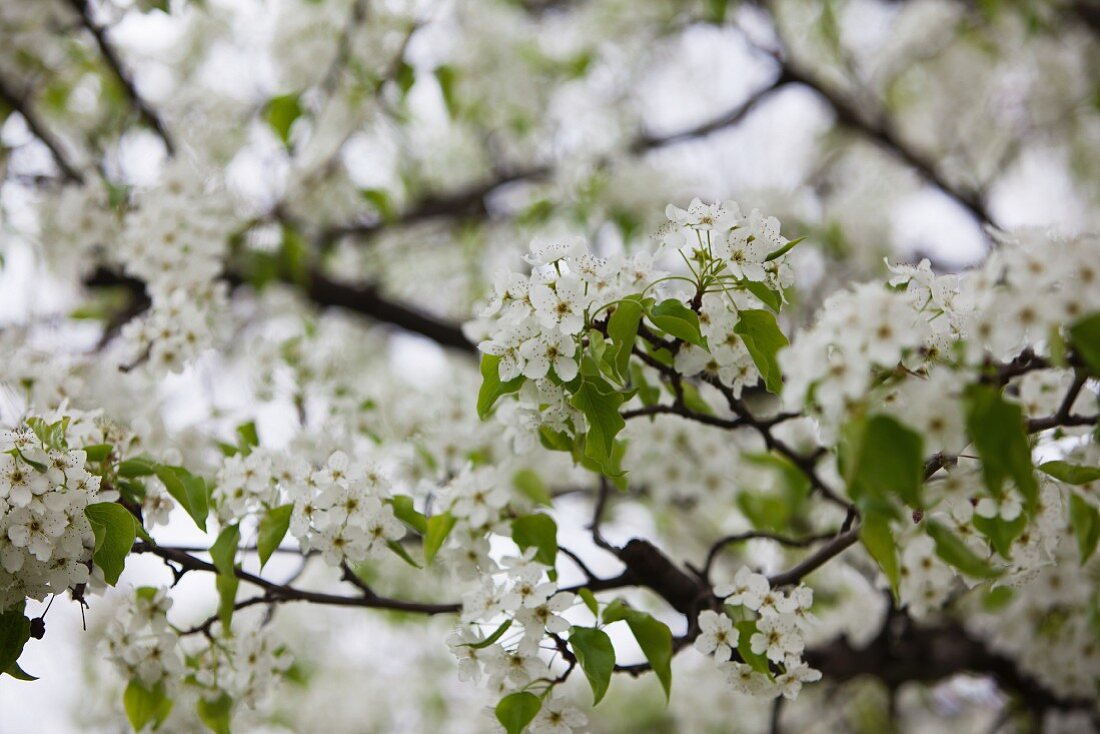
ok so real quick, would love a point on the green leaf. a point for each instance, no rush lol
(492, 389)
(187, 489)
(1084, 335)
(601, 410)
(648, 394)
(530, 485)
(403, 511)
(673, 317)
(224, 553)
(19, 674)
(497, 634)
(878, 539)
(622, 328)
(999, 433)
(118, 529)
(1000, 532)
(273, 527)
(1086, 526)
(247, 437)
(98, 452)
(886, 459)
(381, 200)
(540, 532)
(767, 296)
(215, 714)
(139, 466)
(776, 254)
(439, 527)
(15, 630)
(1063, 471)
(596, 656)
(956, 553)
(144, 705)
(589, 600)
(50, 434)
(280, 114)
(653, 636)
(757, 661)
(447, 79)
(763, 339)
(403, 554)
(405, 77)
(516, 710)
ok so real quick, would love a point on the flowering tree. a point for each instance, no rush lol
(324, 312)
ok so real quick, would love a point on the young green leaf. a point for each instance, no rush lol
(1000, 532)
(956, 553)
(596, 656)
(878, 539)
(115, 537)
(98, 452)
(757, 661)
(1063, 471)
(224, 553)
(187, 489)
(224, 550)
(401, 553)
(673, 317)
(497, 634)
(439, 527)
(272, 530)
(622, 327)
(1085, 520)
(763, 339)
(767, 296)
(19, 674)
(601, 410)
(998, 431)
(144, 705)
(589, 600)
(403, 511)
(540, 532)
(1084, 335)
(139, 466)
(15, 630)
(531, 486)
(492, 389)
(776, 254)
(886, 458)
(247, 437)
(280, 114)
(653, 636)
(215, 714)
(516, 710)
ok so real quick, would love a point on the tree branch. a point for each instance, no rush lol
(125, 80)
(21, 104)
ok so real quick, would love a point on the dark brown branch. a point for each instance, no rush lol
(722, 543)
(811, 563)
(279, 593)
(21, 104)
(118, 69)
(325, 292)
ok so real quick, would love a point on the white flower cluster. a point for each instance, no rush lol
(858, 331)
(174, 241)
(1031, 286)
(339, 508)
(536, 323)
(777, 626)
(528, 599)
(1046, 624)
(146, 647)
(46, 542)
(141, 643)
